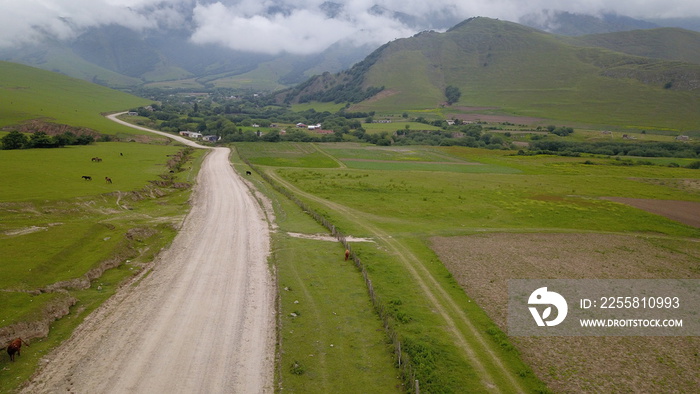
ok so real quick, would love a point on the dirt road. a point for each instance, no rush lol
(202, 321)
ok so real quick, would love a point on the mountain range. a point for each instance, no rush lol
(640, 78)
(121, 58)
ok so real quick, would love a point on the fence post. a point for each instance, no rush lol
(399, 350)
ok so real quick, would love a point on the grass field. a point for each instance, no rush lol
(28, 93)
(68, 243)
(321, 293)
(402, 207)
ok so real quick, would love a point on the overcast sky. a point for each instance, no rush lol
(294, 26)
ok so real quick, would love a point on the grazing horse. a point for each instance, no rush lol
(96, 159)
(14, 347)
(248, 173)
(87, 177)
(347, 254)
(108, 179)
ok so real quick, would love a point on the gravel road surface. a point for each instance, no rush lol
(202, 321)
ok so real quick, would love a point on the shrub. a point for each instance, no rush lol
(694, 165)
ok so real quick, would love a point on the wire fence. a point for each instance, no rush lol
(402, 359)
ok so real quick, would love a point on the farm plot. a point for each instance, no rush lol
(287, 154)
(457, 343)
(482, 264)
(687, 212)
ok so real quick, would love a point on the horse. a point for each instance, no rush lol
(108, 179)
(15, 347)
(87, 177)
(347, 254)
(248, 173)
(96, 159)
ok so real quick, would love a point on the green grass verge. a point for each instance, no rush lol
(329, 338)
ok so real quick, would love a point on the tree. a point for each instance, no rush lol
(42, 140)
(453, 94)
(272, 136)
(14, 140)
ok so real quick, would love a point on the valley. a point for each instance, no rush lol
(349, 227)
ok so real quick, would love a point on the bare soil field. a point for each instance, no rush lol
(483, 264)
(686, 212)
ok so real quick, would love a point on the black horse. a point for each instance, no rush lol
(87, 177)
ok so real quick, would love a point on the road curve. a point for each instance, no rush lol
(201, 322)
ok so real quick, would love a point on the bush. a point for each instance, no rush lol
(694, 165)
(15, 140)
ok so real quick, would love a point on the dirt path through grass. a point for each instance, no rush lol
(474, 344)
(201, 321)
(328, 155)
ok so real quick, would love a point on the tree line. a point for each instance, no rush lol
(39, 139)
(642, 149)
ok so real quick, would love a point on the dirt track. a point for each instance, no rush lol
(201, 322)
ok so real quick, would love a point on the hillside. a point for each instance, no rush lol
(663, 43)
(29, 93)
(522, 71)
(118, 57)
(575, 24)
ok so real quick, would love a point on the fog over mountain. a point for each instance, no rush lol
(296, 26)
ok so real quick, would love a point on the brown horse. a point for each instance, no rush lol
(347, 254)
(15, 347)
(96, 159)
(108, 179)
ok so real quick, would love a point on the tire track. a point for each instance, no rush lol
(455, 318)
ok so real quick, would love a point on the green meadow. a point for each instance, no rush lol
(52, 174)
(400, 197)
(28, 93)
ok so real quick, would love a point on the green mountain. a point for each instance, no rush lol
(28, 93)
(118, 57)
(662, 43)
(574, 24)
(522, 71)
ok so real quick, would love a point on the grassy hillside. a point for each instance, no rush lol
(528, 72)
(524, 71)
(664, 43)
(60, 58)
(28, 93)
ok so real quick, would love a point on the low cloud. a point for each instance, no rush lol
(294, 26)
(298, 31)
(30, 21)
